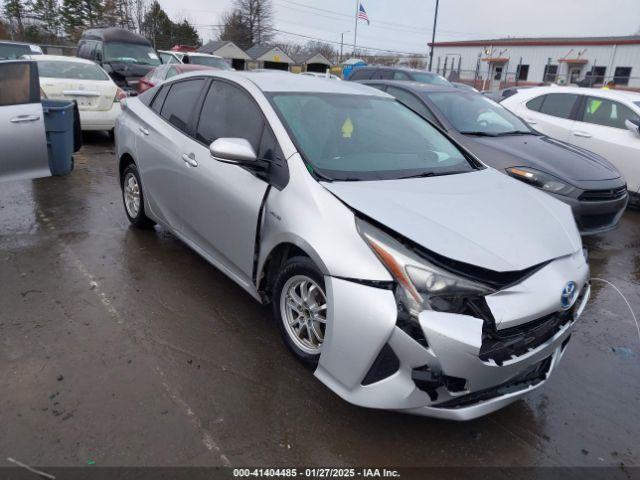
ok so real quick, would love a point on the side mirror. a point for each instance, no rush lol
(233, 150)
(633, 125)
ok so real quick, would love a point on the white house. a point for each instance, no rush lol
(227, 50)
(495, 63)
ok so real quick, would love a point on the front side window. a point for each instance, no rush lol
(558, 104)
(181, 101)
(607, 112)
(471, 113)
(130, 53)
(229, 112)
(71, 70)
(360, 137)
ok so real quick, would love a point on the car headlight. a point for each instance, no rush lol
(540, 180)
(424, 286)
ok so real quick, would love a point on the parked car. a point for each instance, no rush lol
(408, 274)
(394, 73)
(321, 75)
(194, 58)
(71, 78)
(593, 187)
(10, 50)
(37, 137)
(124, 55)
(606, 122)
(500, 95)
(164, 72)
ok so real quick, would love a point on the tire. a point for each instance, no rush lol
(306, 345)
(134, 209)
(112, 134)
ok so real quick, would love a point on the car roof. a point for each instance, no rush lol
(58, 58)
(612, 94)
(15, 42)
(279, 81)
(417, 87)
(190, 54)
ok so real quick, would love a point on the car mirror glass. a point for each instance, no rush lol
(633, 125)
(233, 150)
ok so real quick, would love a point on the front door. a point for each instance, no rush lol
(223, 200)
(497, 71)
(23, 142)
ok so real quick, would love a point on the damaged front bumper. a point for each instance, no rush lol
(460, 367)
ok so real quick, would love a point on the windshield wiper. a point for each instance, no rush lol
(479, 133)
(514, 132)
(419, 175)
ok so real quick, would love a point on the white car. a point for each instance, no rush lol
(606, 122)
(195, 58)
(71, 78)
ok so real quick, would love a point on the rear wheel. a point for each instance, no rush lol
(133, 198)
(300, 306)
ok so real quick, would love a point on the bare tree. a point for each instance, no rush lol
(257, 15)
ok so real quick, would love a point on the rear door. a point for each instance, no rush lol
(552, 114)
(601, 128)
(23, 142)
(160, 145)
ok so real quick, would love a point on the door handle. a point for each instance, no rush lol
(143, 130)
(24, 118)
(190, 159)
(582, 134)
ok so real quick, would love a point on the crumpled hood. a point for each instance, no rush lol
(483, 218)
(560, 159)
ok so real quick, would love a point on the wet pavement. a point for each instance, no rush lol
(124, 347)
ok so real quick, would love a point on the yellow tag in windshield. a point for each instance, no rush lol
(347, 128)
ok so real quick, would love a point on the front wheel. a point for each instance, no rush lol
(300, 307)
(133, 198)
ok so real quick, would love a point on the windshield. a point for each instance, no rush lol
(472, 113)
(11, 51)
(209, 62)
(72, 70)
(358, 137)
(430, 78)
(130, 52)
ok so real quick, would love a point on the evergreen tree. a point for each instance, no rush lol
(78, 15)
(48, 13)
(15, 11)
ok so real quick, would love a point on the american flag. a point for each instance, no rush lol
(362, 14)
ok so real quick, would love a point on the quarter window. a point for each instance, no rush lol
(533, 104)
(608, 113)
(229, 112)
(158, 101)
(180, 102)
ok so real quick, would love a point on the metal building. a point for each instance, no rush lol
(497, 63)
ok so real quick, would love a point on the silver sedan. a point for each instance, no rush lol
(407, 273)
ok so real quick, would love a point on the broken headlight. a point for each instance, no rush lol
(423, 285)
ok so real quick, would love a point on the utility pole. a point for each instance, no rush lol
(355, 32)
(433, 35)
(342, 44)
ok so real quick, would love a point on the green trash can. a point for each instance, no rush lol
(59, 125)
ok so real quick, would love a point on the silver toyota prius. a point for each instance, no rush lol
(408, 274)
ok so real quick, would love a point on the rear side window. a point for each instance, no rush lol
(11, 51)
(181, 101)
(558, 104)
(229, 112)
(607, 112)
(382, 75)
(18, 83)
(361, 74)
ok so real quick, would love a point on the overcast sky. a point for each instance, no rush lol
(405, 25)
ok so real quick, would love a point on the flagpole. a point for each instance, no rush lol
(355, 31)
